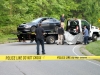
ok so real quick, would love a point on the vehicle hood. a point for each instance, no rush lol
(30, 23)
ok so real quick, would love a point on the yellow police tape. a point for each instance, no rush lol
(44, 57)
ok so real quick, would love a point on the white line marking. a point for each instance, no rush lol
(85, 60)
(93, 62)
(74, 51)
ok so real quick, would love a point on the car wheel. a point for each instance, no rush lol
(33, 29)
(94, 37)
(19, 38)
(56, 28)
(50, 40)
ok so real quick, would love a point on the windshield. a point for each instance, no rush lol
(36, 20)
(83, 22)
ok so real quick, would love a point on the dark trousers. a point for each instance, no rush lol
(86, 40)
(40, 41)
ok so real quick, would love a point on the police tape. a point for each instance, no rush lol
(44, 57)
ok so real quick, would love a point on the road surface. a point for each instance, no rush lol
(47, 67)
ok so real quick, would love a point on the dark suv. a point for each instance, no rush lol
(49, 24)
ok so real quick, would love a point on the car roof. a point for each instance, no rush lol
(49, 18)
(45, 17)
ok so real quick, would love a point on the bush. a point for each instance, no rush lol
(7, 29)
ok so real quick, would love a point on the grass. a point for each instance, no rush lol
(7, 38)
(6, 35)
(94, 48)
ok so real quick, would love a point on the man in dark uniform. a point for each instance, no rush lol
(40, 38)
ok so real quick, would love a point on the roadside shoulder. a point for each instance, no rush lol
(86, 52)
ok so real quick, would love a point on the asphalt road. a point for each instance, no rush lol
(51, 67)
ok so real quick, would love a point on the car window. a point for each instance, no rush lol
(54, 20)
(84, 23)
(36, 20)
(48, 21)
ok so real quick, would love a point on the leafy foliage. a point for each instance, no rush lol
(15, 12)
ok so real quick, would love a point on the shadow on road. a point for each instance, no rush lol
(21, 43)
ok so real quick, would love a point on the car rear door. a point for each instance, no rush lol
(45, 24)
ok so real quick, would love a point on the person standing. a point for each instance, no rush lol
(62, 19)
(40, 38)
(86, 35)
(77, 29)
(60, 35)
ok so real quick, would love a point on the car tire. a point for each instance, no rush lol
(94, 37)
(50, 40)
(33, 29)
(19, 38)
(56, 28)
